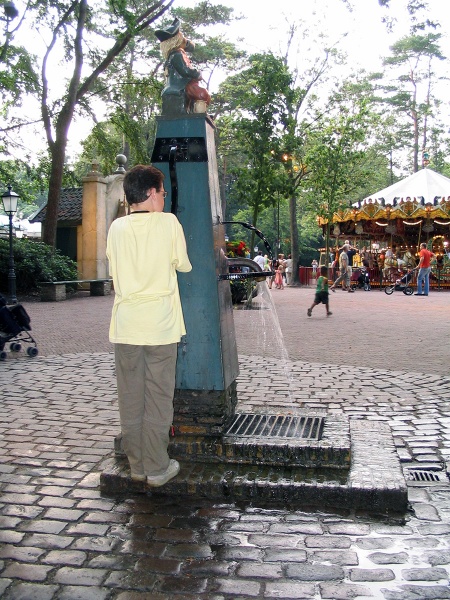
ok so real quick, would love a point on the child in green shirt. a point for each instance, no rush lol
(321, 296)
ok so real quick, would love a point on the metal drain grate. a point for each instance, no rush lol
(276, 426)
(426, 476)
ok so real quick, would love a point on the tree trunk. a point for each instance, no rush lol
(252, 237)
(58, 153)
(327, 244)
(416, 142)
(294, 238)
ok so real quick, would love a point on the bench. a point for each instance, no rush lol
(54, 291)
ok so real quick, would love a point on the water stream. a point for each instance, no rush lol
(261, 346)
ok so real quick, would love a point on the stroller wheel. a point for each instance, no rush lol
(3, 355)
(15, 347)
(32, 351)
(389, 290)
(408, 291)
(366, 287)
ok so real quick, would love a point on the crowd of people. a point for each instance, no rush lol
(281, 267)
(343, 260)
(385, 258)
(344, 263)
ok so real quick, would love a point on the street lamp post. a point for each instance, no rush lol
(10, 200)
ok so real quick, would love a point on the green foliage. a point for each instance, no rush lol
(337, 152)
(132, 88)
(31, 182)
(254, 105)
(34, 262)
(204, 13)
(409, 94)
(242, 290)
(23, 179)
(86, 41)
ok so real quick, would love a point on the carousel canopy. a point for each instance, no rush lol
(423, 195)
(425, 186)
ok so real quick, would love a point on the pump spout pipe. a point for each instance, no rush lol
(258, 233)
(256, 271)
(173, 179)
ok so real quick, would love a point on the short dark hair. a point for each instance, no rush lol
(324, 270)
(139, 180)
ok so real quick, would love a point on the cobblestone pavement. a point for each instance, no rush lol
(377, 357)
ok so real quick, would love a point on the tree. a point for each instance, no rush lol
(132, 92)
(336, 153)
(411, 93)
(282, 93)
(254, 103)
(73, 30)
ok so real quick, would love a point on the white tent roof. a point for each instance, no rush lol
(426, 184)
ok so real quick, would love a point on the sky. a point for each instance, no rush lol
(367, 38)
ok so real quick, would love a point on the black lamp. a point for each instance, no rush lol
(10, 201)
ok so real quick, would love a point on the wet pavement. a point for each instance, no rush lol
(378, 357)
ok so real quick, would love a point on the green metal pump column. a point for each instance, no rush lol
(207, 365)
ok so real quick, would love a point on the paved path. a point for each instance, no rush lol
(377, 357)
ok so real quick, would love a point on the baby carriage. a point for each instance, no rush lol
(15, 328)
(361, 279)
(401, 285)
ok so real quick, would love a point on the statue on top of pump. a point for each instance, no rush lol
(182, 93)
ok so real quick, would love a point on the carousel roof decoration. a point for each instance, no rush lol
(423, 195)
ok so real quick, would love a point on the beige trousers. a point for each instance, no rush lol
(145, 388)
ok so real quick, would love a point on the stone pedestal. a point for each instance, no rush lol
(204, 412)
(52, 292)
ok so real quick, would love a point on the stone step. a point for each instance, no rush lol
(302, 454)
(374, 482)
(267, 439)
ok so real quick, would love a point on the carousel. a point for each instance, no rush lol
(389, 226)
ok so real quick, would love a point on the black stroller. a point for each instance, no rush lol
(401, 285)
(361, 279)
(15, 328)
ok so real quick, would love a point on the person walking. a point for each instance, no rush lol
(145, 250)
(321, 296)
(279, 276)
(424, 266)
(289, 270)
(274, 264)
(344, 274)
(259, 259)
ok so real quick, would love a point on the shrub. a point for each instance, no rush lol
(242, 290)
(34, 262)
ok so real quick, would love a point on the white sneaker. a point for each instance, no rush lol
(172, 470)
(138, 477)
